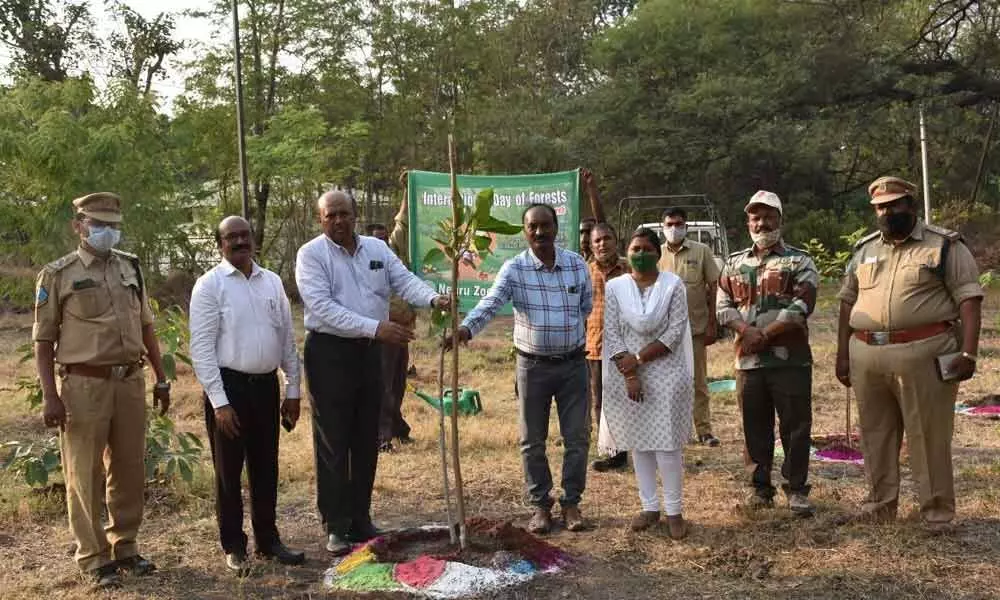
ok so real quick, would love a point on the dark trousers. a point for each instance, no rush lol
(787, 391)
(594, 367)
(255, 398)
(395, 361)
(345, 380)
(537, 382)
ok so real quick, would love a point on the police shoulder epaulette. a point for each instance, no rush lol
(948, 233)
(738, 253)
(871, 236)
(62, 263)
(124, 254)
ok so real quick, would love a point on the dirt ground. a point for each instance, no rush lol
(729, 553)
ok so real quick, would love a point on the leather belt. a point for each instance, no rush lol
(103, 371)
(573, 354)
(901, 336)
(250, 377)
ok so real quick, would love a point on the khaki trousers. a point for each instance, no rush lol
(898, 389)
(702, 410)
(103, 448)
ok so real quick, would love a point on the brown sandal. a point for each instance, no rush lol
(677, 527)
(645, 520)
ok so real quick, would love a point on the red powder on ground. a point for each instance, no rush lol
(420, 572)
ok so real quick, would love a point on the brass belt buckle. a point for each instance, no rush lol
(879, 338)
(119, 371)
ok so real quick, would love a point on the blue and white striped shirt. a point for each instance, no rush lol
(550, 305)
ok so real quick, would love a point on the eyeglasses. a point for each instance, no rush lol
(237, 235)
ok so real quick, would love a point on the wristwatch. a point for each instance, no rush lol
(969, 356)
(638, 358)
(162, 386)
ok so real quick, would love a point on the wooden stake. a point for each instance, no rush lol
(456, 199)
(442, 444)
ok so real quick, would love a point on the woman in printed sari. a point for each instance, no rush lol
(648, 381)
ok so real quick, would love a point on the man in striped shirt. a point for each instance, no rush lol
(552, 296)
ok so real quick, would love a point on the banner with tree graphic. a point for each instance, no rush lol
(430, 205)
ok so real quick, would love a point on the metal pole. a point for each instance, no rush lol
(241, 141)
(923, 162)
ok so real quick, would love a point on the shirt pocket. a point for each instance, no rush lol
(89, 303)
(376, 279)
(130, 291)
(272, 307)
(868, 275)
(919, 272)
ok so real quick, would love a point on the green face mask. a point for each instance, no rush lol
(643, 262)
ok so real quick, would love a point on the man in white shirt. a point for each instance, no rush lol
(345, 281)
(241, 332)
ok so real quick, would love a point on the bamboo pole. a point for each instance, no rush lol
(456, 465)
(441, 441)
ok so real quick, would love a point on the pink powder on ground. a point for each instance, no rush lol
(420, 572)
(838, 452)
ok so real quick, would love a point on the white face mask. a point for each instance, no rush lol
(103, 238)
(675, 235)
(766, 239)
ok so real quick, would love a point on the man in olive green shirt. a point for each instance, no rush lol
(694, 264)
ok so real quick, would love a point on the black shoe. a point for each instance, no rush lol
(618, 461)
(709, 440)
(237, 563)
(282, 554)
(106, 577)
(135, 565)
(337, 545)
(362, 533)
(412, 371)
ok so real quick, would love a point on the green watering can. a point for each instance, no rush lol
(468, 401)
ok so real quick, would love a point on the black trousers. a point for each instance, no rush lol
(345, 380)
(395, 361)
(787, 391)
(255, 398)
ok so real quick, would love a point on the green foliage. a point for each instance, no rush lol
(466, 238)
(168, 453)
(173, 333)
(35, 462)
(831, 265)
(28, 386)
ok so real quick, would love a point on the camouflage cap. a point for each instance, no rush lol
(102, 206)
(887, 189)
(765, 198)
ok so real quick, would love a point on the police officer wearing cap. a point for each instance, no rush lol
(92, 317)
(911, 294)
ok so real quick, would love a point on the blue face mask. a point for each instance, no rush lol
(103, 238)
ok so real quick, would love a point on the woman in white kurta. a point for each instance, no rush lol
(648, 379)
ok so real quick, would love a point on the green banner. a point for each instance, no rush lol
(429, 196)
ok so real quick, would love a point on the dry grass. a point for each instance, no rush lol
(729, 554)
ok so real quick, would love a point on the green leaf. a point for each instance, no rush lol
(494, 225)
(482, 243)
(171, 466)
(36, 474)
(169, 366)
(484, 204)
(433, 255)
(439, 318)
(186, 473)
(51, 461)
(184, 358)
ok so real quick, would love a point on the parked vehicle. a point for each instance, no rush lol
(704, 223)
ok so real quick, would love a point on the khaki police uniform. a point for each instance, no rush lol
(93, 309)
(904, 300)
(696, 267)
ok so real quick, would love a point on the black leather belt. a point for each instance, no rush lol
(251, 377)
(363, 341)
(572, 355)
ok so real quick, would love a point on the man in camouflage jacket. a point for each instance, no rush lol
(766, 293)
